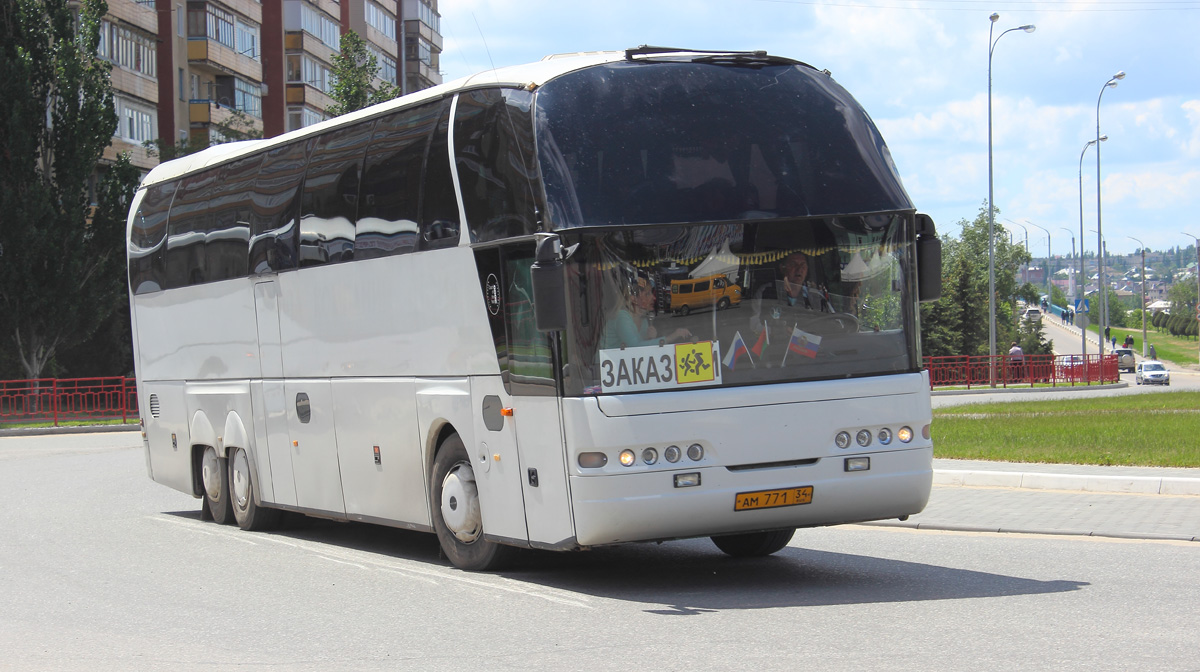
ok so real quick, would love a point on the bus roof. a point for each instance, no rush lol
(528, 75)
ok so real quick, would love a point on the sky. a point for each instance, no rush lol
(920, 68)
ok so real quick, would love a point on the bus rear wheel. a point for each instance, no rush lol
(753, 544)
(457, 516)
(216, 486)
(242, 489)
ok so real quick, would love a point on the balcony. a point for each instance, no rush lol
(202, 113)
(416, 27)
(212, 56)
(304, 94)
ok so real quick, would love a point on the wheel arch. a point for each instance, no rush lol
(200, 436)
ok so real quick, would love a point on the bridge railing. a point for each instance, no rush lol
(67, 400)
(1003, 371)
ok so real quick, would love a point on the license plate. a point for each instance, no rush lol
(770, 499)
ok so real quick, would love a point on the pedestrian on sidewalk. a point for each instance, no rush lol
(1153, 355)
(1017, 357)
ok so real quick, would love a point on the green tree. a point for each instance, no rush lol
(62, 262)
(958, 323)
(238, 127)
(354, 71)
(1058, 297)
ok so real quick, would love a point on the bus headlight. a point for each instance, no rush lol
(842, 439)
(696, 452)
(863, 437)
(672, 454)
(885, 436)
(627, 458)
(649, 456)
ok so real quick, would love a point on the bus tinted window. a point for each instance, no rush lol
(191, 219)
(146, 236)
(227, 245)
(391, 190)
(493, 137)
(439, 206)
(273, 220)
(641, 143)
(329, 206)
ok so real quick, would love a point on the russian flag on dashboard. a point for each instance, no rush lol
(737, 349)
(804, 343)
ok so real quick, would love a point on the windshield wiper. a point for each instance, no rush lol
(709, 56)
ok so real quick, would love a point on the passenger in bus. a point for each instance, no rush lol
(790, 289)
(629, 325)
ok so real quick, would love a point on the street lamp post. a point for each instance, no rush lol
(1083, 289)
(1025, 271)
(1111, 83)
(1143, 245)
(1197, 239)
(1029, 28)
(1046, 268)
(1102, 259)
(1073, 290)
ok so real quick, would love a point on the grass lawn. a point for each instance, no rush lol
(1175, 349)
(1152, 430)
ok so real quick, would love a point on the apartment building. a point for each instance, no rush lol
(206, 71)
(128, 39)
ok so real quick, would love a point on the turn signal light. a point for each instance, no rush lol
(592, 460)
(905, 434)
(627, 458)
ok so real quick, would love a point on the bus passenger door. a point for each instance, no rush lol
(314, 445)
(272, 442)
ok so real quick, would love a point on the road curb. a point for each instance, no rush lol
(1146, 485)
(82, 429)
(1025, 390)
(909, 524)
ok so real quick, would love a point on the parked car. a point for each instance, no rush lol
(711, 290)
(1151, 372)
(1125, 361)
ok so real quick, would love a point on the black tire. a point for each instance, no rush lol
(242, 493)
(467, 549)
(753, 544)
(214, 480)
(684, 310)
(723, 303)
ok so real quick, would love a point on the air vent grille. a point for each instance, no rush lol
(155, 408)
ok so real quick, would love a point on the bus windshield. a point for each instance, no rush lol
(632, 143)
(718, 305)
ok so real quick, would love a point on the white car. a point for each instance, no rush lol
(1033, 315)
(1152, 373)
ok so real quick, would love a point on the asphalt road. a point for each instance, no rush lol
(102, 569)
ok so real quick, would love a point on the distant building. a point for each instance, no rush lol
(193, 70)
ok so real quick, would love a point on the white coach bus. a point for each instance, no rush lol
(450, 312)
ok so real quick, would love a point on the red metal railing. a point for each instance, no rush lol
(1053, 370)
(61, 400)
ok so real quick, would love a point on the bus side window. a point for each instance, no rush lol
(227, 246)
(391, 189)
(273, 212)
(191, 219)
(329, 206)
(493, 137)
(439, 225)
(149, 231)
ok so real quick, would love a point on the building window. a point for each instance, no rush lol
(420, 50)
(429, 17)
(316, 74)
(130, 50)
(320, 26)
(387, 64)
(180, 21)
(380, 20)
(105, 36)
(182, 84)
(219, 25)
(299, 117)
(247, 39)
(137, 121)
(194, 84)
(247, 97)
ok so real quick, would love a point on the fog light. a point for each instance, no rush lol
(885, 436)
(592, 460)
(842, 439)
(858, 463)
(863, 437)
(687, 480)
(905, 434)
(627, 458)
(649, 456)
(696, 452)
(672, 454)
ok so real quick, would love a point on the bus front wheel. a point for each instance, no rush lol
(753, 544)
(216, 486)
(457, 516)
(242, 489)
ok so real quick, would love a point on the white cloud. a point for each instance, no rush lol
(1191, 109)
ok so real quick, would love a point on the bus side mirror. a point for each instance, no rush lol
(549, 284)
(929, 261)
